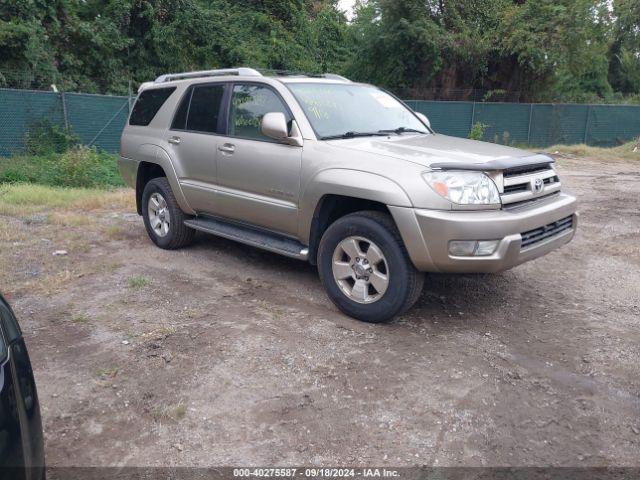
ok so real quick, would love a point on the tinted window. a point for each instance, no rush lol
(204, 111)
(180, 119)
(148, 104)
(249, 104)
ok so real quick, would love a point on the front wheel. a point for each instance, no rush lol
(366, 269)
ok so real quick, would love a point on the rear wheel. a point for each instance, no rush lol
(365, 267)
(163, 218)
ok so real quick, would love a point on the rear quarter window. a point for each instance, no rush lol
(148, 104)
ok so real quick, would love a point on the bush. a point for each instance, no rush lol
(477, 131)
(77, 167)
(44, 138)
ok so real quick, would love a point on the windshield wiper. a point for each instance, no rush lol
(355, 134)
(400, 130)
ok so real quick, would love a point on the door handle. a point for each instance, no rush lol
(175, 140)
(227, 148)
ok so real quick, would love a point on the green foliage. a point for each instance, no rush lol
(477, 131)
(98, 46)
(44, 137)
(77, 167)
(546, 50)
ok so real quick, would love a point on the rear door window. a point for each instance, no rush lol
(204, 109)
(148, 104)
(180, 118)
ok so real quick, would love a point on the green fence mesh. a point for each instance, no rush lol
(539, 125)
(99, 119)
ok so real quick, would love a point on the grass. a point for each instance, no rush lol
(108, 372)
(621, 153)
(171, 412)
(77, 167)
(139, 281)
(26, 198)
(80, 318)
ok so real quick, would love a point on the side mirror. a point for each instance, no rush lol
(424, 118)
(274, 125)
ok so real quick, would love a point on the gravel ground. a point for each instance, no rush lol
(221, 354)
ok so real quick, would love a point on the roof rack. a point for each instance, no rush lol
(249, 72)
(295, 73)
(334, 76)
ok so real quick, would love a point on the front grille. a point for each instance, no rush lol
(526, 169)
(523, 187)
(519, 184)
(539, 234)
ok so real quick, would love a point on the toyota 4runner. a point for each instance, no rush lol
(340, 174)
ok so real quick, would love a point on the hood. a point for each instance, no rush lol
(432, 149)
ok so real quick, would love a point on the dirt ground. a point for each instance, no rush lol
(221, 354)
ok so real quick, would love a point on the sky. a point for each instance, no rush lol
(347, 5)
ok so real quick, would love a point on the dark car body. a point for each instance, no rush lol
(21, 438)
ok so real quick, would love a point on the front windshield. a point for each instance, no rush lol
(344, 110)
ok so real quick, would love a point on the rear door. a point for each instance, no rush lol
(193, 140)
(258, 177)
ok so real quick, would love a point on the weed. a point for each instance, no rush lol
(171, 412)
(477, 131)
(160, 333)
(76, 167)
(623, 152)
(80, 318)
(139, 281)
(69, 219)
(115, 232)
(194, 313)
(25, 199)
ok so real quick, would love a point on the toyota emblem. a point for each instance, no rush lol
(538, 185)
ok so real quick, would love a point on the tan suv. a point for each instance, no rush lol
(340, 174)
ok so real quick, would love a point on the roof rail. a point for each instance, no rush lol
(297, 73)
(249, 72)
(334, 76)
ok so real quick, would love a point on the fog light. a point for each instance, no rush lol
(486, 247)
(462, 248)
(472, 248)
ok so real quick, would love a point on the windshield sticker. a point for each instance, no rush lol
(386, 100)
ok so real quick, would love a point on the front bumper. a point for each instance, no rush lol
(427, 233)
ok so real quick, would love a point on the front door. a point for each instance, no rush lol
(258, 177)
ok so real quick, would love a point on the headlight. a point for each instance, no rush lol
(464, 188)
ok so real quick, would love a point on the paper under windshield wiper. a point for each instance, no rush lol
(355, 134)
(400, 130)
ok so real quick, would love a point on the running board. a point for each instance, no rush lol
(255, 237)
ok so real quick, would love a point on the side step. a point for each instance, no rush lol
(250, 236)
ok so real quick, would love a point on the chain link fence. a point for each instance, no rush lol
(98, 120)
(538, 125)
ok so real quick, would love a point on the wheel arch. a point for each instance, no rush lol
(161, 166)
(339, 192)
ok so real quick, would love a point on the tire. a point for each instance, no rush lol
(359, 289)
(176, 234)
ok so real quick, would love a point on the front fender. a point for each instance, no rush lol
(348, 183)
